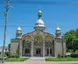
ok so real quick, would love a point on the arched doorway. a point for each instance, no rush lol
(38, 46)
(26, 45)
(49, 45)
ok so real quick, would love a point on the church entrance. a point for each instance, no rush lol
(38, 51)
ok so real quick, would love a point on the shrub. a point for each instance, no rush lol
(14, 56)
(17, 55)
(59, 55)
(7, 54)
(74, 55)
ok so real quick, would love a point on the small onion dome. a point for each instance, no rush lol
(19, 28)
(58, 28)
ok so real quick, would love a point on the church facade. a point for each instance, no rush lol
(38, 43)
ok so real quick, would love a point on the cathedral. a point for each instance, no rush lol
(38, 43)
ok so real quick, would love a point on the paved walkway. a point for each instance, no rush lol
(35, 61)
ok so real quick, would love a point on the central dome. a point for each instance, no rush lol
(39, 23)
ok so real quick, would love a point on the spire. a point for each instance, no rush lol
(39, 21)
(39, 14)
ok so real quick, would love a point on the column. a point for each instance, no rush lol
(32, 46)
(49, 51)
(20, 48)
(44, 49)
(55, 50)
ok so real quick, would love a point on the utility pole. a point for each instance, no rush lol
(5, 27)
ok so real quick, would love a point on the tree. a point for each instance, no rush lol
(9, 45)
(75, 44)
(70, 36)
(8, 53)
(76, 33)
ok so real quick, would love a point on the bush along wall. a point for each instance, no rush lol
(74, 55)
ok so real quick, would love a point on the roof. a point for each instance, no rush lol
(34, 33)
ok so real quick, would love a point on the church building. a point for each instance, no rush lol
(38, 43)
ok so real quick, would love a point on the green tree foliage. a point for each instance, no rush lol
(77, 33)
(75, 44)
(8, 53)
(72, 39)
(9, 46)
(69, 38)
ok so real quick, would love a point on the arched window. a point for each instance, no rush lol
(38, 41)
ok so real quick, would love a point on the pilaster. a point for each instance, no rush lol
(20, 48)
(44, 48)
(32, 46)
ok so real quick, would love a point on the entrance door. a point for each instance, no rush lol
(27, 52)
(38, 52)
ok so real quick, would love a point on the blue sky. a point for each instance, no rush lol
(25, 16)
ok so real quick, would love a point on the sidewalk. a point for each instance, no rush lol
(35, 60)
(62, 62)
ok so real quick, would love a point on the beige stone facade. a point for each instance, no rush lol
(38, 43)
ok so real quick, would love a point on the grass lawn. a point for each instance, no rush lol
(15, 59)
(61, 59)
